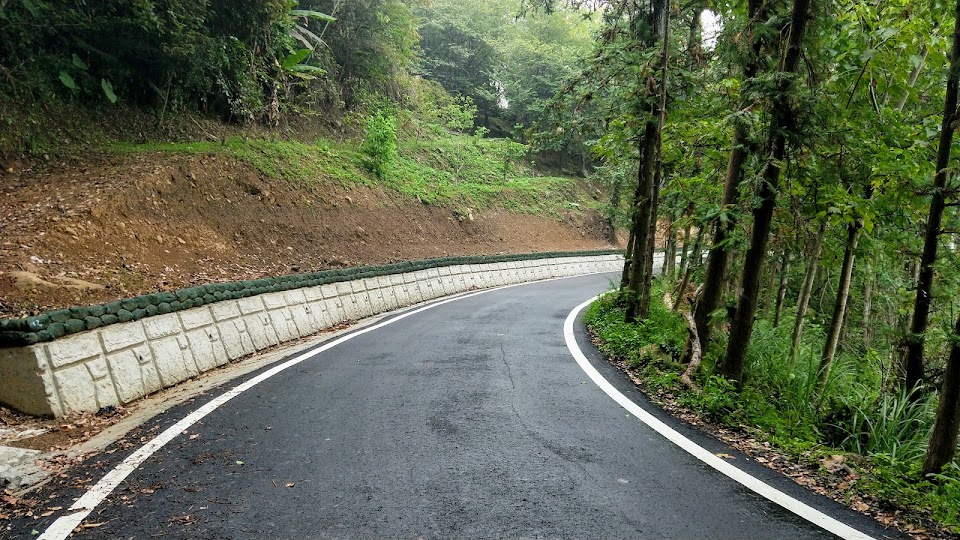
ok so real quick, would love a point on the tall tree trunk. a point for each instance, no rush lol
(643, 201)
(688, 272)
(943, 439)
(670, 252)
(921, 307)
(627, 261)
(782, 289)
(719, 250)
(685, 249)
(611, 217)
(781, 119)
(645, 219)
(868, 307)
(803, 302)
(772, 274)
(839, 306)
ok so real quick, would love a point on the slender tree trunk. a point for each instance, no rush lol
(921, 307)
(772, 274)
(689, 270)
(719, 250)
(803, 302)
(782, 289)
(839, 306)
(670, 253)
(742, 326)
(868, 307)
(611, 218)
(685, 250)
(943, 440)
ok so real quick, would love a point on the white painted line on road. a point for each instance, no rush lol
(757, 486)
(64, 525)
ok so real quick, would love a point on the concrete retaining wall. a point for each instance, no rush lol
(123, 362)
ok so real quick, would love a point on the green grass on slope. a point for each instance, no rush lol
(456, 170)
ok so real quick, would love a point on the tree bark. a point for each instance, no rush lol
(839, 306)
(670, 253)
(921, 307)
(685, 249)
(627, 261)
(719, 251)
(868, 307)
(638, 287)
(943, 440)
(803, 302)
(781, 119)
(782, 289)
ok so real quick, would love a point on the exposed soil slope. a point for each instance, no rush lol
(117, 226)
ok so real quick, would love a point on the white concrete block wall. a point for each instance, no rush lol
(123, 362)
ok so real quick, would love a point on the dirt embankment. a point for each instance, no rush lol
(118, 226)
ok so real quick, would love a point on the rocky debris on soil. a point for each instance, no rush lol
(20, 468)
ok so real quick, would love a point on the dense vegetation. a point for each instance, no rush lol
(806, 150)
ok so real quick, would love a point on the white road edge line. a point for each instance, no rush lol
(64, 525)
(757, 486)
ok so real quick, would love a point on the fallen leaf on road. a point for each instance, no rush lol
(290, 484)
(724, 455)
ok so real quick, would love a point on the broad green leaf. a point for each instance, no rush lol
(309, 13)
(294, 58)
(79, 63)
(306, 68)
(108, 90)
(68, 81)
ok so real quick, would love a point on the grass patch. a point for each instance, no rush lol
(458, 171)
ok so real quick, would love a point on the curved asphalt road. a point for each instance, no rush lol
(468, 420)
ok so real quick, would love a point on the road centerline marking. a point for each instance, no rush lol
(756, 485)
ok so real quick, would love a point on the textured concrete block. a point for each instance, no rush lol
(22, 371)
(261, 331)
(125, 367)
(344, 288)
(105, 392)
(122, 336)
(329, 290)
(77, 389)
(162, 326)
(196, 318)
(294, 297)
(97, 367)
(312, 294)
(235, 339)
(172, 365)
(226, 310)
(73, 349)
(208, 351)
(273, 300)
(282, 322)
(250, 305)
(306, 317)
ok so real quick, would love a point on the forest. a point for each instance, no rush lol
(794, 158)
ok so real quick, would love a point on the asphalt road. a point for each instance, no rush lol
(467, 420)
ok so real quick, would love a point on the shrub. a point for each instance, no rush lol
(380, 142)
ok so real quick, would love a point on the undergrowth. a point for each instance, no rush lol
(885, 434)
(460, 171)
